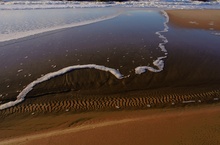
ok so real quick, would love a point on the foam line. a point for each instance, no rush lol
(48, 76)
(158, 63)
(190, 101)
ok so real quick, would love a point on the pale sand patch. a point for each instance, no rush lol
(193, 125)
(201, 19)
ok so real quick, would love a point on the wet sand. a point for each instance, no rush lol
(190, 78)
(200, 19)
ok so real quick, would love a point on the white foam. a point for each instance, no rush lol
(48, 76)
(158, 63)
(216, 99)
(216, 33)
(193, 22)
(20, 70)
(171, 4)
(190, 101)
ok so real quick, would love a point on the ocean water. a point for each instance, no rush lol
(21, 19)
(24, 18)
(176, 4)
(21, 23)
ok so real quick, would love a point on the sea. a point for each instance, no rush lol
(25, 18)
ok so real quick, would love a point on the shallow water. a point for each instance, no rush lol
(122, 43)
(21, 23)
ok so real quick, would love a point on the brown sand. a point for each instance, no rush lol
(202, 19)
(192, 126)
(73, 102)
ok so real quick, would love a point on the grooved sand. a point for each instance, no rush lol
(66, 102)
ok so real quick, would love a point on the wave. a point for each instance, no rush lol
(171, 4)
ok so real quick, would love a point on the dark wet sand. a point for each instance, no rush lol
(190, 78)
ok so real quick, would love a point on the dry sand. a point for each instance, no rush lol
(191, 126)
(203, 19)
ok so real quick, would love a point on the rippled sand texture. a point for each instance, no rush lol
(130, 101)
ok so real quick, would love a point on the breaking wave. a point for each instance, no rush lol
(171, 4)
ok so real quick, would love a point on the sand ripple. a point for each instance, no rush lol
(126, 101)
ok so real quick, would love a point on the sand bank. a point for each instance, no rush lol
(200, 19)
(192, 125)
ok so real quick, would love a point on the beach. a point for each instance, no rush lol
(200, 19)
(191, 125)
(106, 97)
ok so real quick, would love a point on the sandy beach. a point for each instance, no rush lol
(199, 19)
(179, 105)
(191, 125)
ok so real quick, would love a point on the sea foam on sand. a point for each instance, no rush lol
(159, 63)
(48, 76)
